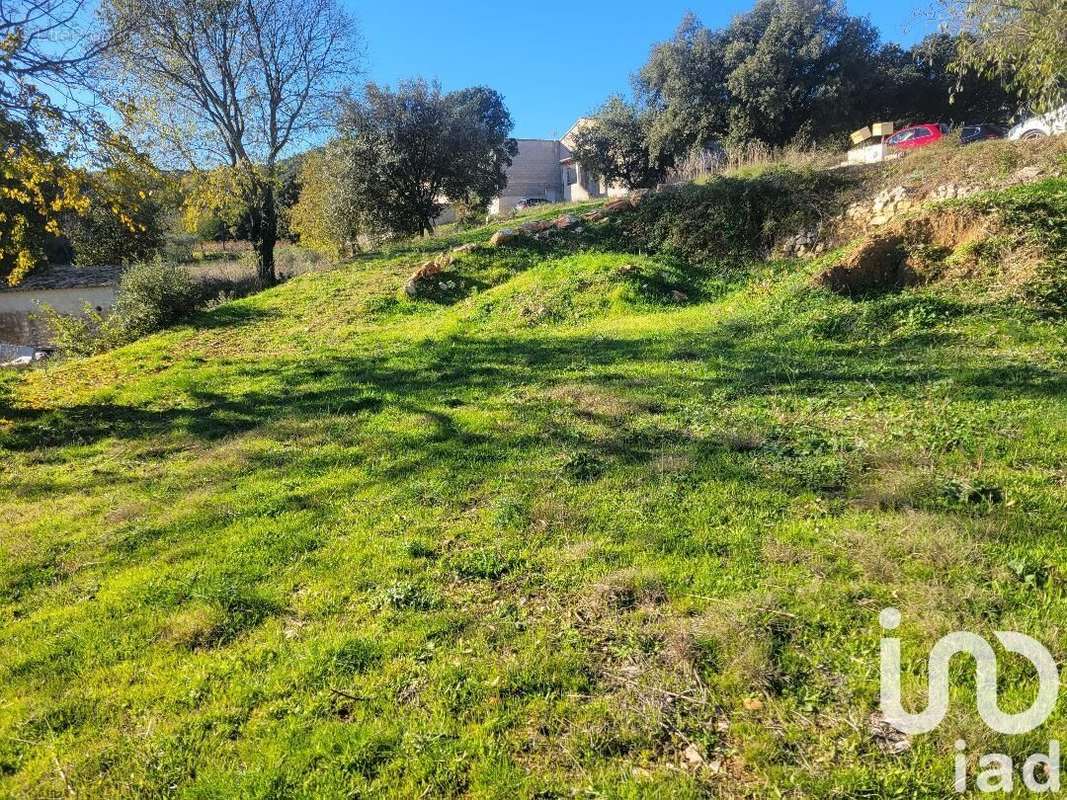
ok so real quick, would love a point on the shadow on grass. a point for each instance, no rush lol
(231, 315)
(431, 375)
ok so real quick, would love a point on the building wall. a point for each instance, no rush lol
(533, 173)
(537, 172)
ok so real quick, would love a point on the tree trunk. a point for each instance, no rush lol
(266, 236)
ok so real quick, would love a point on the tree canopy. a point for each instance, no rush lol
(238, 84)
(769, 75)
(36, 191)
(786, 71)
(402, 154)
(616, 146)
(1020, 42)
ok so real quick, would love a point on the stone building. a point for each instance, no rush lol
(546, 169)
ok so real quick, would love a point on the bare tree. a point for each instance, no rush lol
(48, 52)
(234, 82)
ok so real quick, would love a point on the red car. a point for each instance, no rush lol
(917, 136)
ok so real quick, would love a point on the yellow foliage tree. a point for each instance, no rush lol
(36, 189)
(214, 198)
(320, 217)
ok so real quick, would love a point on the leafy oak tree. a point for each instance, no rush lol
(683, 83)
(793, 64)
(617, 146)
(770, 76)
(232, 83)
(403, 154)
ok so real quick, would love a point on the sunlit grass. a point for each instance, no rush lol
(544, 540)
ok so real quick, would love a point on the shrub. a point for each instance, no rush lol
(80, 335)
(150, 297)
(178, 248)
(731, 220)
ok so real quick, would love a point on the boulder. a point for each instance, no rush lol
(535, 226)
(423, 276)
(503, 236)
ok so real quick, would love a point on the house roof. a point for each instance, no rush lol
(579, 124)
(66, 277)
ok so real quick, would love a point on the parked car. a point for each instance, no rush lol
(980, 131)
(530, 202)
(1037, 126)
(917, 136)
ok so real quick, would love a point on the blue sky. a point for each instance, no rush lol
(562, 61)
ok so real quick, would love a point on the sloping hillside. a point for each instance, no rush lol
(612, 514)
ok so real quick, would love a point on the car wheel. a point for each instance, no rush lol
(1033, 134)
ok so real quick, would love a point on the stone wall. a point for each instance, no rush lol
(865, 216)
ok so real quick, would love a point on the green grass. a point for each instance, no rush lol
(536, 541)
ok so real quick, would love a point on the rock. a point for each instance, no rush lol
(423, 275)
(887, 200)
(1026, 174)
(693, 757)
(535, 226)
(503, 236)
(857, 211)
(429, 269)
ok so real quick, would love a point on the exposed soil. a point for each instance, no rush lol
(910, 252)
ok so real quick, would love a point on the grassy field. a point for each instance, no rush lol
(562, 534)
